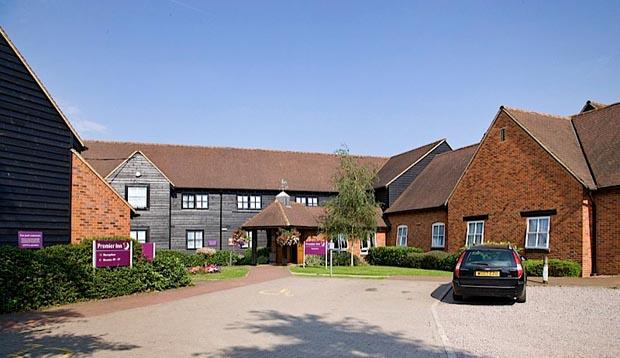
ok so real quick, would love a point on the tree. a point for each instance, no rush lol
(353, 211)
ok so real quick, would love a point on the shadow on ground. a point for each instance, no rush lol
(443, 293)
(35, 334)
(312, 335)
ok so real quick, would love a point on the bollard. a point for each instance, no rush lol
(545, 273)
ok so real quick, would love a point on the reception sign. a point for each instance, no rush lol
(112, 253)
(30, 239)
(148, 251)
(315, 248)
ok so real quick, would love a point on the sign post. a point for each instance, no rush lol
(112, 253)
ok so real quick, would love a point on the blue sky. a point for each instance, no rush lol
(379, 76)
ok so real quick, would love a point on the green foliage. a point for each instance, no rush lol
(411, 257)
(262, 256)
(187, 259)
(30, 279)
(223, 258)
(343, 258)
(557, 268)
(315, 260)
(353, 211)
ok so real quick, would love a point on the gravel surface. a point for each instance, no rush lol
(554, 322)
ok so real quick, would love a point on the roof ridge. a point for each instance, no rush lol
(458, 149)
(228, 147)
(594, 110)
(536, 112)
(418, 147)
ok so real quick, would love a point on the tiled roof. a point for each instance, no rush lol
(599, 133)
(277, 215)
(592, 105)
(556, 135)
(398, 164)
(227, 168)
(433, 186)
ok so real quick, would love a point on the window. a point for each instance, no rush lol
(340, 243)
(253, 202)
(502, 134)
(189, 201)
(138, 196)
(194, 239)
(202, 201)
(365, 245)
(439, 235)
(307, 200)
(401, 235)
(248, 243)
(537, 236)
(475, 233)
(140, 235)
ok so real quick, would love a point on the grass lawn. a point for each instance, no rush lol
(376, 271)
(227, 272)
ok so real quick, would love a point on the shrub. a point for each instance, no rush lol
(187, 259)
(390, 255)
(343, 258)
(262, 256)
(315, 261)
(557, 268)
(223, 258)
(63, 273)
(206, 251)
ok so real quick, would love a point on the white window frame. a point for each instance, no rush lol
(247, 244)
(243, 202)
(131, 199)
(438, 236)
(538, 232)
(338, 241)
(202, 201)
(399, 237)
(188, 201)
(134, 234)
(313, 201)
(256, 202)
(474, 223)
(300, 200)
(194, 241)
(365, 245)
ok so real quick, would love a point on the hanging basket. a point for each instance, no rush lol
(240, 238)
(287, 237)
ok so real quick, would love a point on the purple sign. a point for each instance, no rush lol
(148, 251)
(112, 253)
(211, 242)
(315, 248)
(30, 239)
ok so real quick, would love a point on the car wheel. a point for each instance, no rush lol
(522, 297)
(457, 297)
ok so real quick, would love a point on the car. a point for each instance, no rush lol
(489, 271)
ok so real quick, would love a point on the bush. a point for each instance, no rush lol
(206, 251)
(187, 259)
(63, 274)
(557, 268)
(390, 255)
(262, 256)
(315, 261)
(223, 258)
(343, 258)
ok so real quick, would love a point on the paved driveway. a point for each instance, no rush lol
(298, 316)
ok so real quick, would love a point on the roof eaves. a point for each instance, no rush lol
(416, 162)
(124, 162)
(42, 87)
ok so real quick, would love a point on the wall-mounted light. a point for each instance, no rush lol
(138, 174)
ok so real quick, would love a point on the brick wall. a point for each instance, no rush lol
(608, 232)
(517, 175)
(419, 224)
(96, 209)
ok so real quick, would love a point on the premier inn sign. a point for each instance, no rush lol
(112, 253)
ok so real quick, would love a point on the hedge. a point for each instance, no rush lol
(557, 268)
(30, 279)
(412, 257)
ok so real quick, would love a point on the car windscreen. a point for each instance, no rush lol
(494, 258)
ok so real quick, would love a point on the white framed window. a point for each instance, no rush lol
(365, 245)
(138, 196)
(202, 201)
(140, 235)
(401, 235)
(243, 202)
(194, 239)
(307, 200)
(475, 233)
(439, 235)
(300, 200)
(255, 202)
(537, 235)
(340, 243)
(188, 201)
(248, 243)
(313, 201)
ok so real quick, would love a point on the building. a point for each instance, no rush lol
(549, 184)
(285, 214)
(191, 196)
(42, 181)
(419, 216)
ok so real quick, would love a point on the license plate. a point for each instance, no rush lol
(487, 273)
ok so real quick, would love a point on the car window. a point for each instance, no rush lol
(497, 258)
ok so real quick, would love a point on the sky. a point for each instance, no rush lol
(381, 77)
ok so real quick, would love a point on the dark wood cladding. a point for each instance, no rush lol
(35, 157)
